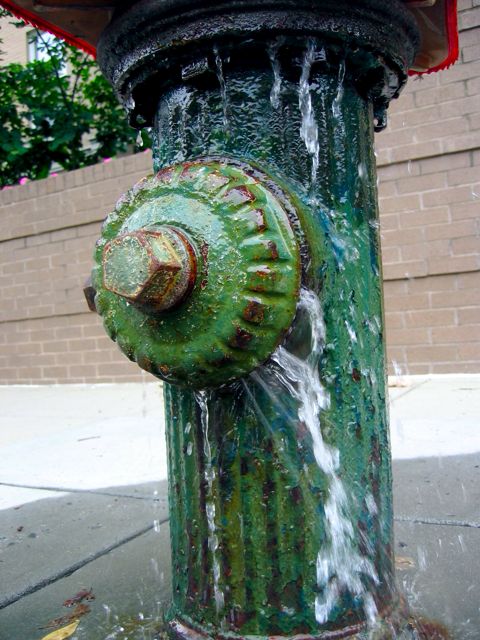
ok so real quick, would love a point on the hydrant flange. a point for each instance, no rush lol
(233, 312)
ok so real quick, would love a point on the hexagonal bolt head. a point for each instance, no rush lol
(153, 268)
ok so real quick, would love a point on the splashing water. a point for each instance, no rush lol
(277, 77)
(223, 87)
(340, 567)
(201, 398)
(308, 128)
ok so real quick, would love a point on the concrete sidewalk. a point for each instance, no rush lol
(83, 505)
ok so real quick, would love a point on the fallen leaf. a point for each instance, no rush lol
(402, 562)
(63, 633)
(79, 611)
(78, 597)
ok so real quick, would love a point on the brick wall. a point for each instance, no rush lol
(429, 170)
(48, 232)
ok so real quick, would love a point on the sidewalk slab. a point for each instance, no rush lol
(436, 416)
(131, 586)
(42, 540)
(442, 488)
(101, 449)
(437, 570)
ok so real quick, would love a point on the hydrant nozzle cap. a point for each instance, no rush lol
(153, 268)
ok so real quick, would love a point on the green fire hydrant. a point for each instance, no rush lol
(246, 274)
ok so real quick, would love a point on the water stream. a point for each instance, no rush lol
(277, 75)
(340, 566)
(223, 87)
(308, 129)
(210, 474)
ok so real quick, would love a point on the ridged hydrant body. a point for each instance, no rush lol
(258, 291)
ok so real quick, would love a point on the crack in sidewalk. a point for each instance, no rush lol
(88, 491)
(68, 571)
(438, 521)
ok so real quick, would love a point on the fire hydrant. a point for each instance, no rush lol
(246, 274)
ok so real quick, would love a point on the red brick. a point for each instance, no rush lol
(404, 303)
(432, 353)
(446, 196)
(466, 245)
(469, 315)
(405, 270)
(430, 318)
(460, 229)
(453, 264)
(456, 299)
(453, 335)
(404, 337)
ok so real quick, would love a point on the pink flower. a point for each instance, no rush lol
(53, 175)
(23, 180)
(107, 160)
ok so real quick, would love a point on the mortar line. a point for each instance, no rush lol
(68, 571)
(44, 317)
(89, 491)
(438, 522)
(48, 231)
(427, 275)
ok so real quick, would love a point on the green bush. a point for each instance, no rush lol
(58, 112)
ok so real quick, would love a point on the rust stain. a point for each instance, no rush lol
(165, 175)
(273, 250)
(204, 252)
(254, 312)
(431, 630)
(241, 339)
(356, 375)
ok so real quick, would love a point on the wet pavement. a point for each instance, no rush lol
(83, 506)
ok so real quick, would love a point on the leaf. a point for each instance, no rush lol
(63, 633)
(402, 563)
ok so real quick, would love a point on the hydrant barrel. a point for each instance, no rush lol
(279, 472)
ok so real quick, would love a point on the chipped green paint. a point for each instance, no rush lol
(245, 281)
(267, 491)
(247, 498)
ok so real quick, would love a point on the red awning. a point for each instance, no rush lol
(80, 22)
